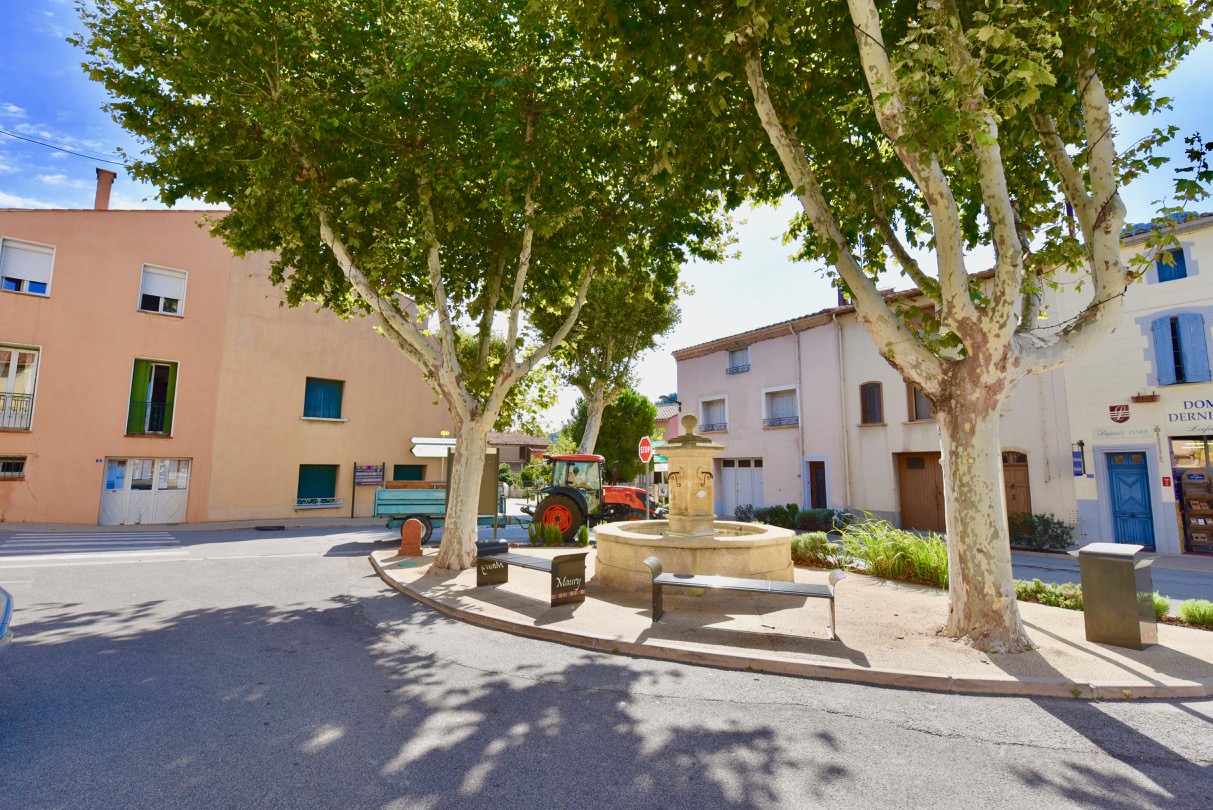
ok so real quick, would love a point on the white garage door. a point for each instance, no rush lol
(740, 484)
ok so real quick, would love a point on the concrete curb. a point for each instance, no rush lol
(900, 679)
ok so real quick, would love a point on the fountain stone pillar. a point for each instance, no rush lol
(691, 481)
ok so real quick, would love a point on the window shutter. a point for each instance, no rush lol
(1194, 347)
(170, 398)
(1176, 269)
(1164, 352)
(139, 379)
(163, 284)
(30, 262)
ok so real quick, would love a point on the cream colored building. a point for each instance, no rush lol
(1141, 406)
(809, 413)
(148, 375)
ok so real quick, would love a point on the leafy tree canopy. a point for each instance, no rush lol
(624, 422)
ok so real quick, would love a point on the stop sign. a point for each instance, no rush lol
(646, 449)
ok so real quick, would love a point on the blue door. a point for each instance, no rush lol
(1132, 517)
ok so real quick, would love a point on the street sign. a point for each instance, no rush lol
(646, 449)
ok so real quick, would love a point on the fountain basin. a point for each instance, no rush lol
(733, 549)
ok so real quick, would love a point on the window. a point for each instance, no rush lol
(920, 407)
(715, 416)
(779, 408)
(317, 487)
(12, 467)
(322, 399)
(18, 375)
(153, 392)
(162, 290)
(739, 361)
(1181, 349)
(26, 267)
(1171, 265)
(408, 472)
(871, 404)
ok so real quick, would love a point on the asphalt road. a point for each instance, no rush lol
(241, 670)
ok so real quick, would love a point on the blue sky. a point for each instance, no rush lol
(45, 96)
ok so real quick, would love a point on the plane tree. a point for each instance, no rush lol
(446, 167)
(970, 145)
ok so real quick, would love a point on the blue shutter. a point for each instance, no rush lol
(1164, 352)
(1194, 347)
(1177, 269)
(322, 398)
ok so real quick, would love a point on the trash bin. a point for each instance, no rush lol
(1117, 595)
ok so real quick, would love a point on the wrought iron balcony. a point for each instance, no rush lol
(742, 369)
(16, 411)
(713, 427)
(147, 417)
(781, 421)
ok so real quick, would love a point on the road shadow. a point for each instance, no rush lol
(296, 706)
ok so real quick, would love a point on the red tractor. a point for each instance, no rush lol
(576, 496)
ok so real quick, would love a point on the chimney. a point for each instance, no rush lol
(105, 179)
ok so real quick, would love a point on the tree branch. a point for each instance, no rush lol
(928, 285)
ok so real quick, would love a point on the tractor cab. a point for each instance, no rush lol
(580, 473)
(577, 496)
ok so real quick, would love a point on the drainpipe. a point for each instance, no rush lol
(800, 409)
(842, 400)
(105, 181)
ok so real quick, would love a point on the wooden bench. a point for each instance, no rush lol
(567, 571)
(660, 580)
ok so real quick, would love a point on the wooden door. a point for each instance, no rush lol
(1015, 482)
(920, 481)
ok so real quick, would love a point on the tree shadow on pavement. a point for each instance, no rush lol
(298, 706)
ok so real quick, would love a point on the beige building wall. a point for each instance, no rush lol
(89, 331)
(261, 435)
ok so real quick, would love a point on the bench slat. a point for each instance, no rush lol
(738, 584)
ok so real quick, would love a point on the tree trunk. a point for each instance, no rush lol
(594, 406)
(458, 548)
(983, 611)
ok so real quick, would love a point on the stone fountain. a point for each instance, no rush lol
(692, 540)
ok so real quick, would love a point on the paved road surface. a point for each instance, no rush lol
(259, 671)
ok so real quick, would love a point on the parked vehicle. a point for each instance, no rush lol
(576, 496)
(6, 615)
(425, 502)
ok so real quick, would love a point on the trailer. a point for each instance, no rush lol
(425, 501)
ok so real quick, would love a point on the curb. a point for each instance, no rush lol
(776, 665)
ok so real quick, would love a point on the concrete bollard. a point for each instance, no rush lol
(410, 538)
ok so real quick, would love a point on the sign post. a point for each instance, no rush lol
(646, 456)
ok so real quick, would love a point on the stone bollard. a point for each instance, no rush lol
(410, 538)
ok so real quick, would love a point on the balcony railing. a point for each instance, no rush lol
(741, 369)
(147, 417)
(713, 427)
(781, 421)
(319, 503)
(16, 411)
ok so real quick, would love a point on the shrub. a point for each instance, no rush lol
(583, 535)
(1067, 595)
(815, 548)
(782, 516)
(886, 551)
(534, 533)
(1162, 605)
(819, 520)
(1039, 531)
(552, 536)
(744, 513)
(1196, 611)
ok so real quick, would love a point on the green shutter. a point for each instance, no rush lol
(139, 380)
(169, 398)
(317, 481)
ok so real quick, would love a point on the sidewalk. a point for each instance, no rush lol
(887, 634)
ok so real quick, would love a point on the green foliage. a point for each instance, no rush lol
(1039, 531)
(886, 551)
(821, 520)
(781, 516)
(583, 535)
(552, 536)
(535, 474)
(744, 513)
(815, 549)
(624, 421)
(1162, 605)
(1067, 595)
(1196, 611)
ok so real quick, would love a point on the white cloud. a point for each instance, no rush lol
(10, 110)
(13, 201)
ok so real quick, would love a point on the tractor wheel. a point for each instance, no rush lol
(559, 511)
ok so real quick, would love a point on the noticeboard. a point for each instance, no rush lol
(368, 475)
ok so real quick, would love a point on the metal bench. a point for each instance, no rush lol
(567, 571)
(660, 580)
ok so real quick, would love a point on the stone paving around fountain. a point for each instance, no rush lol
(887, 634)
